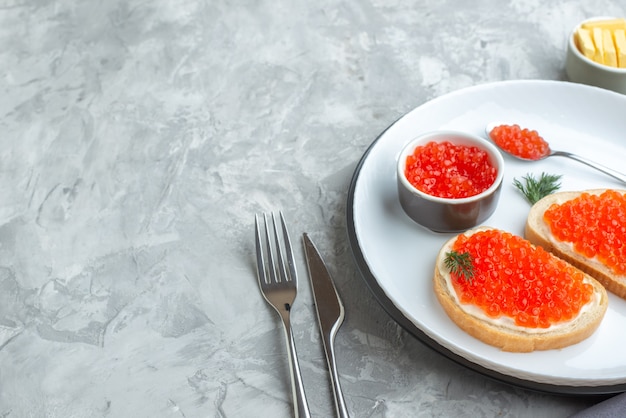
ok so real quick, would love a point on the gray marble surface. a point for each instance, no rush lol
(139, 138)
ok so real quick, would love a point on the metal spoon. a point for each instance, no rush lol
(615, 174)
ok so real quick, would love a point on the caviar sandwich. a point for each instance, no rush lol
(503, 290)
(587, 229)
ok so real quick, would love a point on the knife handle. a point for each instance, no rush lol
(340, 403)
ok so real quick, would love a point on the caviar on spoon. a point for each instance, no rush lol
(528, 145)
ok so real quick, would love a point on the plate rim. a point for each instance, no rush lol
(396, 314)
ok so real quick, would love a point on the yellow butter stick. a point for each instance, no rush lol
(620, 47)
(610, 24)
(609, 57)
(599, 44)
(585, 43)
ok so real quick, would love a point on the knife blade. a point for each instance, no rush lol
(330, 315)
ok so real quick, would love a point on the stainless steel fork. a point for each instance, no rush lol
(278, 282)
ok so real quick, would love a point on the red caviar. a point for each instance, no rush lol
(523, 143)
(516, 279)
(443, 169)
(595, 225)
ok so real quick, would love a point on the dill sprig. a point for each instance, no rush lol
(535, 189)
(460, 264)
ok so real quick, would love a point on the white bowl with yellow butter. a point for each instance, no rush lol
(596, 53)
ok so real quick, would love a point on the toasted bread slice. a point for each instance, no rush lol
(502, 332)
(538, 232)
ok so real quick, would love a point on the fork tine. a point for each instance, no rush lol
(271, 266)
(260, 260)
(280, 267)
(289, 251)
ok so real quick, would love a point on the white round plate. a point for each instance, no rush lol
(396, 256)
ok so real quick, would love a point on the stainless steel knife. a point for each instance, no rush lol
(330, 315)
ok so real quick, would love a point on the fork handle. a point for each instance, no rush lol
(300, 404)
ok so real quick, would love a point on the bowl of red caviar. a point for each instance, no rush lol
(449, 181)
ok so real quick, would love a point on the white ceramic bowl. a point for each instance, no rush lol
(581, 69)
(443, 214)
